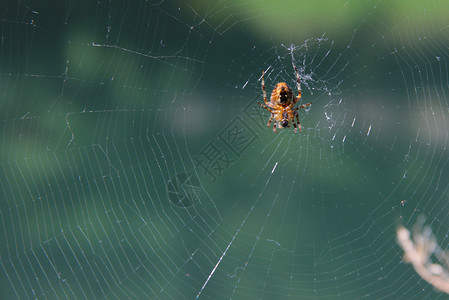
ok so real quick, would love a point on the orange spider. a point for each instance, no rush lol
(281, 104)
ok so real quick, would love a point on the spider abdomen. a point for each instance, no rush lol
(282, 94)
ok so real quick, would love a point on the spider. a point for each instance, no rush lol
(281, 104)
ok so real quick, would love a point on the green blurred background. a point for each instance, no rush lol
(135, 161)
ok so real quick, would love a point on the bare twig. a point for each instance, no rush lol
(418, 251)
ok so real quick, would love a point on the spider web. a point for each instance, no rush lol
(136, 163)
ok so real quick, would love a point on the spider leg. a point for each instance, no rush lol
(274, 127)
(297, 122)
(269, 121)
(298, 86)
(263, 88)
(265, 106)
(302, 106)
